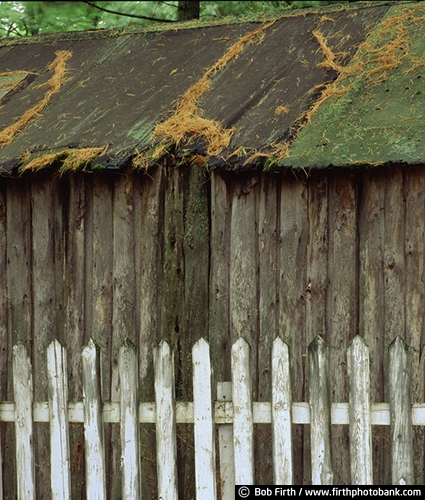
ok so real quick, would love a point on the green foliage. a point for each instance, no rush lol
(37, 18)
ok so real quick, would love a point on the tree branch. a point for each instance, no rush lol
(127, 15)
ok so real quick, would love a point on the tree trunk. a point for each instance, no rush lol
(188, 10)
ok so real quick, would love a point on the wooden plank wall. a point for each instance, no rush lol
(180, 254)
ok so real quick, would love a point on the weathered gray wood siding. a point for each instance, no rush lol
(180, 254)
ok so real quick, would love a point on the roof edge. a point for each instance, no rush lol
(195, 24)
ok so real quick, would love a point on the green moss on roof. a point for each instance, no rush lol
(381, 117)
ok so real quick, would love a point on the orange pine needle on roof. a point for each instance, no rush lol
(72, 159)
(187, 120)
(58, 66)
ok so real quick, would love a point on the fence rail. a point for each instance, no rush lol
(233, 412)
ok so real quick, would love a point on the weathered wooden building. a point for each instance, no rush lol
(218, 180)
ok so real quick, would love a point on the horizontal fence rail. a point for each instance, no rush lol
(234, 412)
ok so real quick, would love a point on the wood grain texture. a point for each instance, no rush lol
(18, 289)
(99, 271)
(317, 256)
(243, 430)
(320, 418)
(123, 306)
(226, 485)
(341, 302)
(219, 316)
(371, 231)
(268, 308)
(23, 396)
(165, 422)
(203, 418)
(360, 423)
(243, 263)
(281, 414)
(401, 413)
(148, 246)
(46, 303)
(263, 254)
(414, 182)
(129, 420)
(4, 353)
(73, 209)
(293, 286)
(57, 373)
(93, 425)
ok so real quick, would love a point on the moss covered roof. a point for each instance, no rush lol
(341, 85)
(377, 115)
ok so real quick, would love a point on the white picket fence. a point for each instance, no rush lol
(235, 416)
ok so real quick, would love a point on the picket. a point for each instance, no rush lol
(166, 446)
(281, 414)
(401, 413)
(129, 421)
(203, 421)
(23, 394)
(360, 424)
(93, 428)
(234, 413)
(58, 415)
(243, 427)
(320, 420)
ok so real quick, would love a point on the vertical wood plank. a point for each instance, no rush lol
(316, 281)
(58, 414)
(99, 305)
(123, 263)
(194, 320)
(292, 300)
(203, 422)
(342, 301)
(44, 260)
(394, 255)
(75, 264)
(267, 285)
(360, 423)
(99, 292)
(123, 305)
(243, 428)
(93, 424)
(18, 274)
(243, 265)
(19, 260)
(401, 413)
(23, 396)
(129, 421)
(414, 246)
(219, 327)
(320, 412)
(148, 208)
(244, 305)
(171, 292)
(226, 448)
(1, 475)
(166, 448)
(4, 353)
(281, 414)
(394, 275)
(371, 293)
(219, 316)
(18, 224)
(317, 255)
